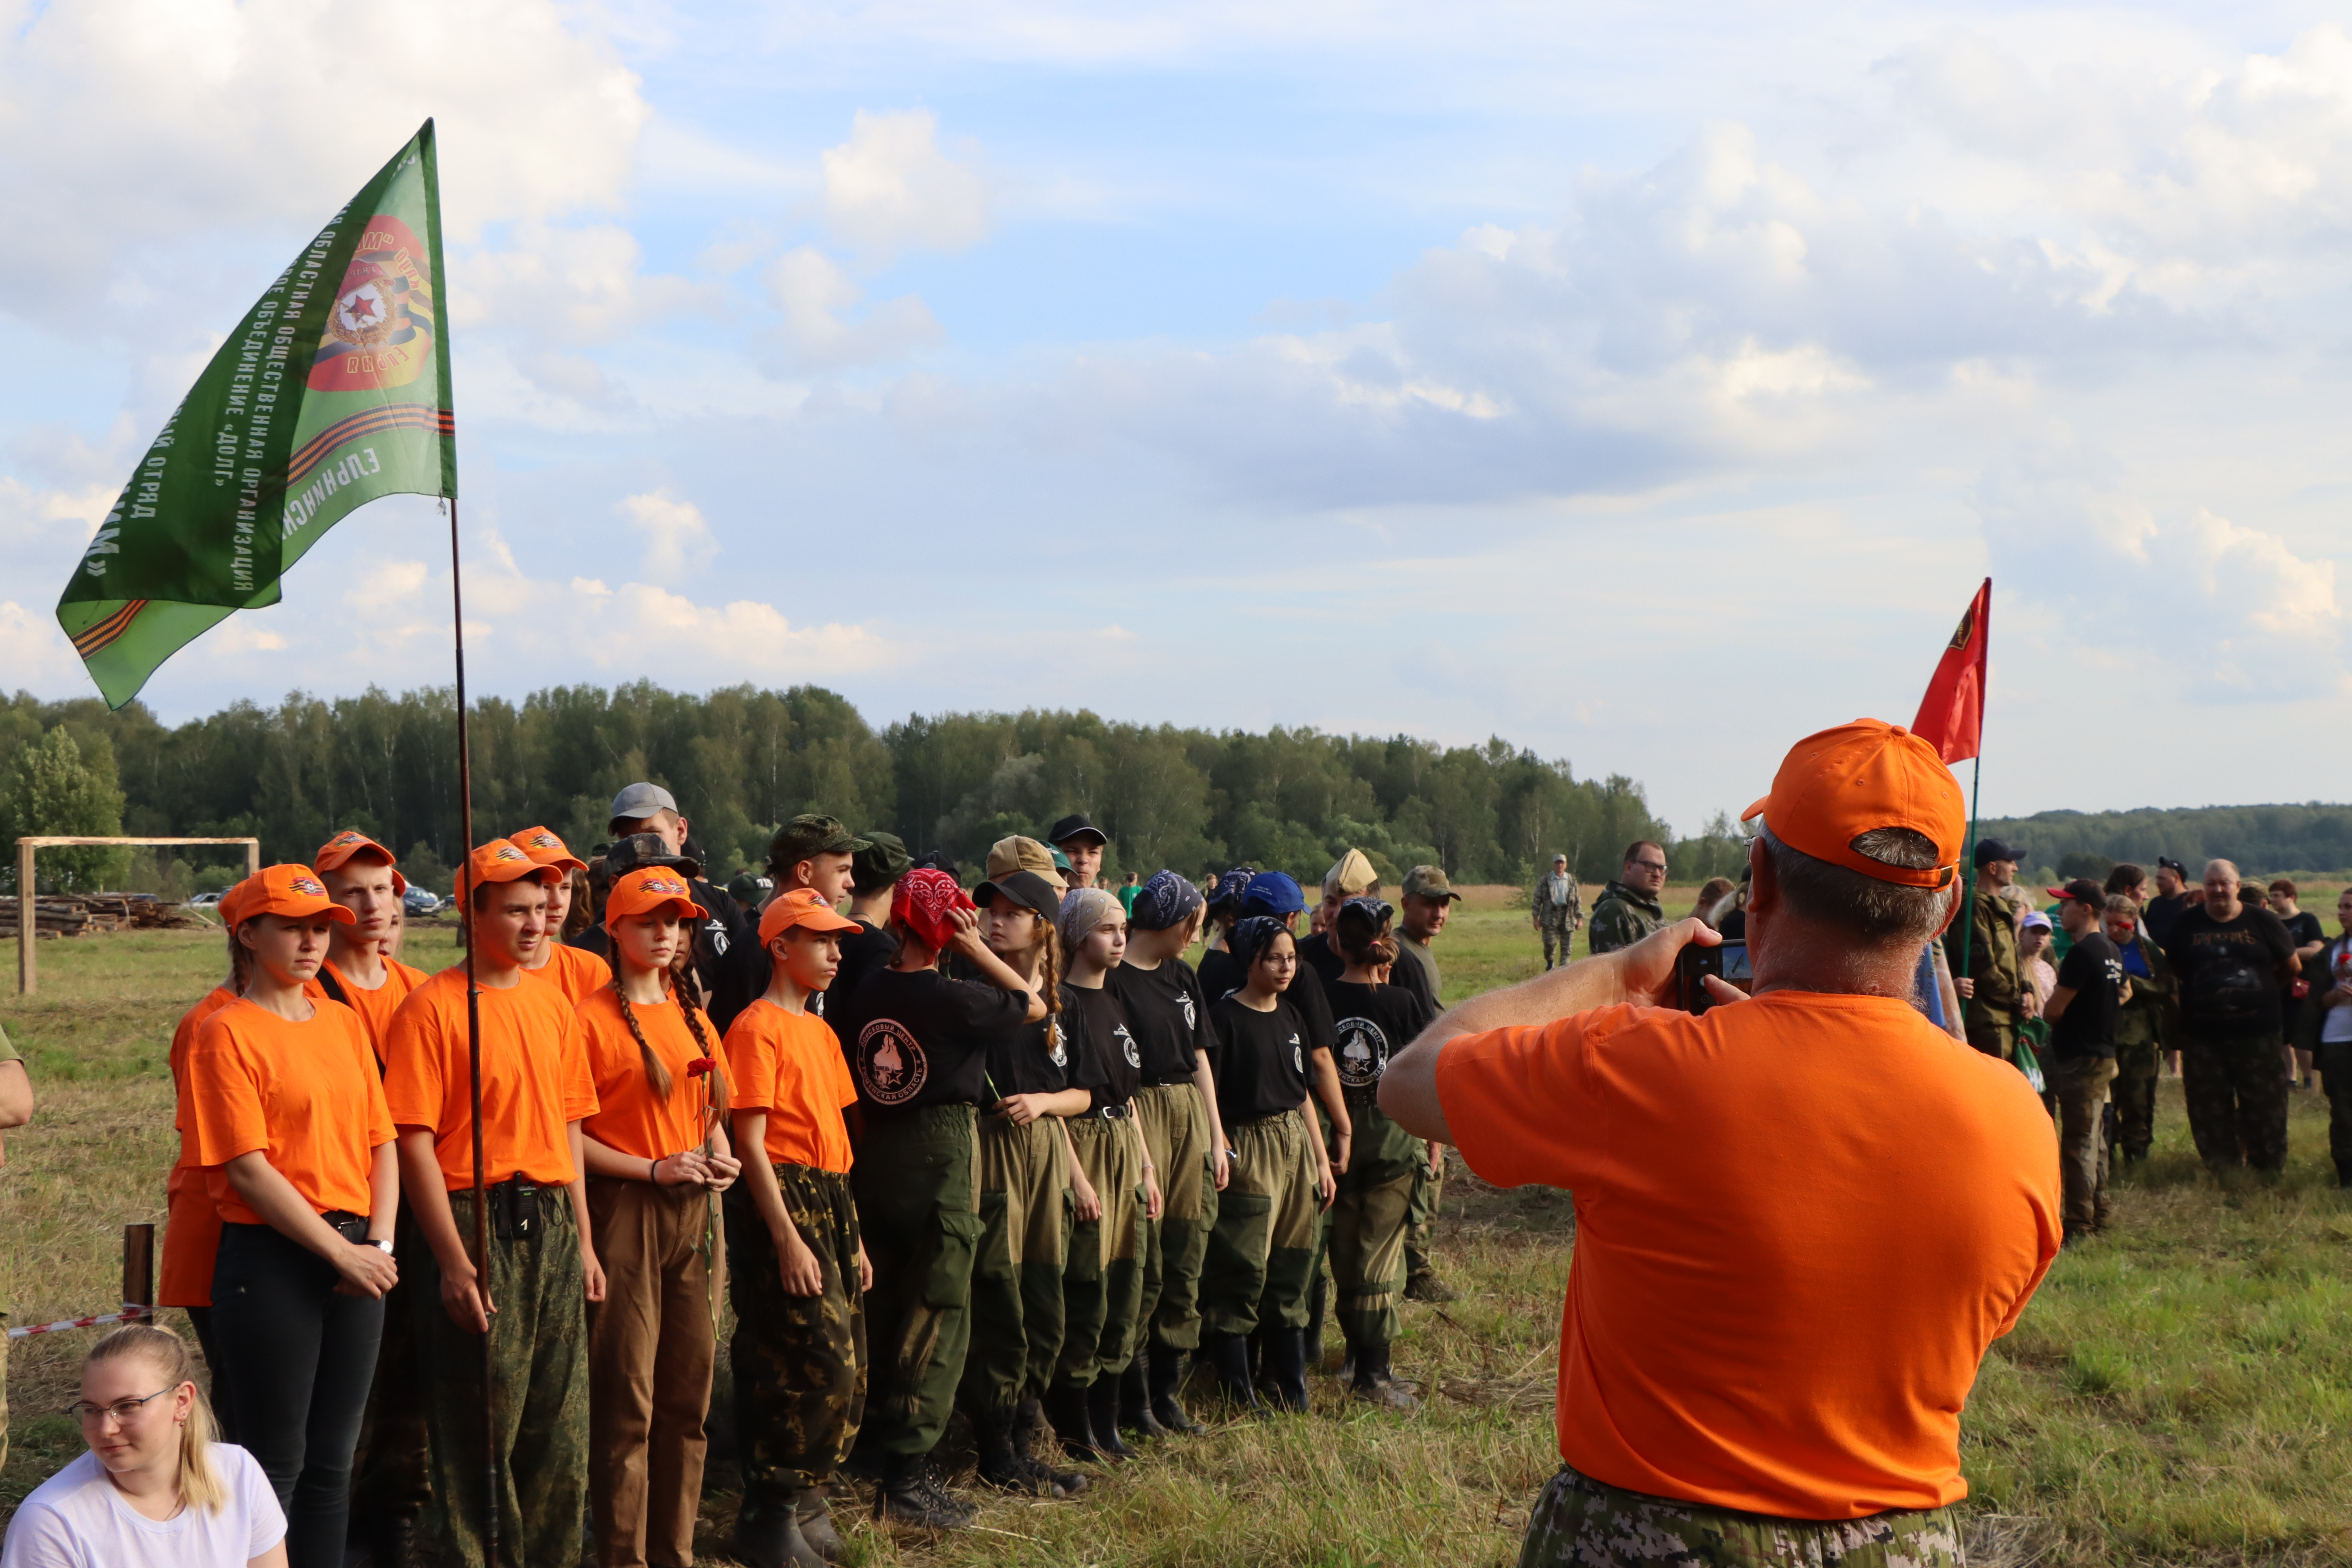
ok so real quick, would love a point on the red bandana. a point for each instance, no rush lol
(926, 902)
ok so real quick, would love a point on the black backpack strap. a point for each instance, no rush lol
(332, 986)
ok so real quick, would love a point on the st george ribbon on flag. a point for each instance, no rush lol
(1951, 716)
(332, 391)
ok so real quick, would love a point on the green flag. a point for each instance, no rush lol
(332, 391)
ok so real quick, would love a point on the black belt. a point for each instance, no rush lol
(1119, 1113)
(514, 1207)
(1186, 1081)
(1370, 1097)
(352, 1228)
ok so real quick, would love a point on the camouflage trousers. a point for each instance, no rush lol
(539, 1362)
(2136, 1067)
(1017, 1276)
(1560, 936)
(917, 1187)
(1176, 1131)
(2236, 1090)
(653, 1341)
(1102, 1284)
(1580, 1522)
(2080, 1085)
(1421, 1216)
(1994, 1039)
(1368, 1224)
(391, 1471)
(799, 1361)
(1263, 1247)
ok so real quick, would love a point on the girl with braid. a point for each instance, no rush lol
(657, 1153)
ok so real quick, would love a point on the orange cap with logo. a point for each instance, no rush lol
(650, 888)
(546, 850)
(1841, 784)
(801, 907)
(349, 846)
(291, 890)
(500, 861)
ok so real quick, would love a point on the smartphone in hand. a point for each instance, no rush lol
(1727, 961)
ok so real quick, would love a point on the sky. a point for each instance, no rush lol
(1650, 386)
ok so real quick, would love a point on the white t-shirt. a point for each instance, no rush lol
(2338, 1025)
(76, 1519)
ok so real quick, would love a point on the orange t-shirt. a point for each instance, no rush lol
(534, 1079)
(629, 1116)
(307, 1094)
(790, 1065)
(191, 1224)
(375, 1008)
(575, 971)
(1800, 1221)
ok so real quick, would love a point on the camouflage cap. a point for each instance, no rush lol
(1428, 882)
(880, 862)
(806, 836)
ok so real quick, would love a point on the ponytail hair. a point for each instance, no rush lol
(201, 1486)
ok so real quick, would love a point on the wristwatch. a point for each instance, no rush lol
(386, 1245)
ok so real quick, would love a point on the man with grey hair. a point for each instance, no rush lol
(2232, 956)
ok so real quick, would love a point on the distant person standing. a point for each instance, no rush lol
(1628, 908)
(2173, 898)
(2328, 1026)
(1990, 980)
(1079, 838)
(1128, 889)
(2309, 938)
(2091, 991)
(2232, 958)
(1558, 906)
(1429, 899)
(2145, 1029)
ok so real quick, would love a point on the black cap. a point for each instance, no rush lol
(1027, 889)
(1991, 849)
(937, 860)
(1074, 825)
(2167, 861)
(2081, 890)
(641, 850)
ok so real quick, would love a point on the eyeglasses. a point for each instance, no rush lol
(1650, 864)
(122, 1410)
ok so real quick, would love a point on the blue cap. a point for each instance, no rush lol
(1273, 893)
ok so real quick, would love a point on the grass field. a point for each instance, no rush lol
(2180, 1392)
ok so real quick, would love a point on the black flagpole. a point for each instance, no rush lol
(473, 1064)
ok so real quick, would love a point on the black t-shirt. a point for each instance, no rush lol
(1321, 955)
(2230, 969)
(2302, 928)
(1027, 1058)
(1374, 1023)
(1106, 1060)
(1261, 1059)
(916, 1038)
(864, 953)
(1222, 975)
(2162, 910)
(1166, 1012)
(2093, 970)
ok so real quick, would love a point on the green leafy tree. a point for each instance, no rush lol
(55, 787)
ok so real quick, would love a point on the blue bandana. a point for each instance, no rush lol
(1166, 899)
(1232, 886)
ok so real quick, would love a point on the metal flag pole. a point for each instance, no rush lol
(473, 1063)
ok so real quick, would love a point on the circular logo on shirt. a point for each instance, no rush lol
(891, 1066)
(1363, 1053)
(1058, 1055)
(1298, 1054)
(1127, 1044)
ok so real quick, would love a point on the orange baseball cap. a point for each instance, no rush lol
(291, 890)
(649, 888)
(801, 907)
(500, 861)
(546, 850)
(1839, 784)
(348, 845)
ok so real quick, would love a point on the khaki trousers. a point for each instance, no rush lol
(1102, 1284)
(651, 1348)
(1017, 1276)
(1176, 1133)
(1263, 1248)
(2080, 1085)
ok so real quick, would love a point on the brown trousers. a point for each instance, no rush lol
(651, 1348)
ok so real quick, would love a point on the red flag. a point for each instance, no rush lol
(1951, 716)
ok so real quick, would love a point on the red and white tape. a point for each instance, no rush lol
(131, 1312)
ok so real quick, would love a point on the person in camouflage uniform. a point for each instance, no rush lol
(2144, 1029)
(1628, 910)
(1558, 908)
(1993, 980)
(1580, 1522)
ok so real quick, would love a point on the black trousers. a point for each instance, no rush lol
(301, 1358)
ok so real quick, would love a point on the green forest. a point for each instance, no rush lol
(2314, 836)
(742, 760)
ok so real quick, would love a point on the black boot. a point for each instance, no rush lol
(1033, 1443)
(1286, 1369)
(1102, 1415)
(1163, 1377)
(1135, 1400)
(768, 1535)
(1066, 1406)
(813, 1510)
(1000, 1465)
(1228, 1356)
(1318, 1295)
(1372, 1382)
(910, 1495)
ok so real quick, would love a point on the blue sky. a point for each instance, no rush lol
(1648, 387)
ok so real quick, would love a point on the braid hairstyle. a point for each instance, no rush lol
(656, 1072)
(240, 962)
(1049, 966)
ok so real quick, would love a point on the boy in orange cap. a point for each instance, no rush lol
(541, 1266)
(797, 1269)
(575, 971)
(361, 875)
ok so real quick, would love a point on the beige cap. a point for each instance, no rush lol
(1352, 874)
(1007, 855)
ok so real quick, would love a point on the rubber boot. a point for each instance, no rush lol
(1102, 1417)
(1066, 1406)
(814, 1512)
(1000, 1465)
(1373, 1384)
(769, 1536)
(1135, 1400)
(1228, 1355)
(909, 1495)
(1165, 1376)
(1318, 1295)
(1286, 1369)
(1033, 1443)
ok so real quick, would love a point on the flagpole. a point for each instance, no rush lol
(1968, 859)
(474, 1061)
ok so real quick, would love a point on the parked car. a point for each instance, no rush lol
(418, 902)
(204, 900)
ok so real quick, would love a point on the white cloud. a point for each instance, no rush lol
(35, 652)
(816, 296)
(677, 541)
(569, 288)
(890, 188)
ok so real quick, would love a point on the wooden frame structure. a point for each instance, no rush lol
(25, 895)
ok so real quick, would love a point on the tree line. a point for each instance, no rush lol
(2314, 836)
(741, 761)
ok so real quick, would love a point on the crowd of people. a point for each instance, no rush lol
(1016, 1152)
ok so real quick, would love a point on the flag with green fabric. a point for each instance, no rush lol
(334, 390)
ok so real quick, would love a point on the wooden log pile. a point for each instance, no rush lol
(80, 914)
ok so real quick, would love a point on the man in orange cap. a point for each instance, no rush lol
(1801, 1218)
(575, 971)
(541, 1267)
(361, 875)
